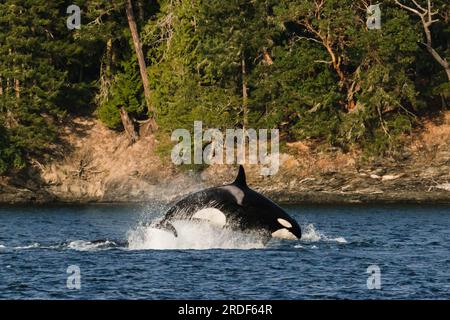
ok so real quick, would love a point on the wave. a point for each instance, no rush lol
(199, 236)
(83, 245)
(78, 245)
(310, 234)
(31, 246)
(191, 235)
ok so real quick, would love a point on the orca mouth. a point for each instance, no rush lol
(297, 231)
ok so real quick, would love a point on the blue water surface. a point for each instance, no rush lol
(409, 244)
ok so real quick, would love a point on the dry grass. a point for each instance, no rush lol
(434, 134)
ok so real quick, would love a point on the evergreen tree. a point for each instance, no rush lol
(30, 79)
(310, 68)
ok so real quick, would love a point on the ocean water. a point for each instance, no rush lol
(105, 252)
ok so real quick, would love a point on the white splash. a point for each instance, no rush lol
(340, 240)
(192, 235)
(2, 246)
(31, 246)
(310, 234)
(82, 245)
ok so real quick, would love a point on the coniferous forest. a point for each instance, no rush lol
(311, 68)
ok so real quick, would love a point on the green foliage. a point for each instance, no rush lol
(196, 51)
(30, 78)
(310, 68)
(44, 74)
(10, 156)
(125, 91)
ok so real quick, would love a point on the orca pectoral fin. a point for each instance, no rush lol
(167, 226)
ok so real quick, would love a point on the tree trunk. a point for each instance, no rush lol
(141, 61)
(426, 16)
(106, 74)
(140, 7)
(244, 109)
(244, 93)
(267, 58)
(145, 127)
(17, 88)
(108, 58)
(442, 61)
(128, 125)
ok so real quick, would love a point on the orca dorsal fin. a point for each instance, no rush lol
(240, 179)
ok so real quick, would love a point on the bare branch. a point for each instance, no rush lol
(429, 10)
(408, 8)
(309, 39)
(418, 6)
(323, 61)
(427, 20)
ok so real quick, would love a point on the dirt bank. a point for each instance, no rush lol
(99, 165)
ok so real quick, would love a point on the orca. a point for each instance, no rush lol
(234, 206)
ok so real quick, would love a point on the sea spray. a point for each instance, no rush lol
(192, 235)
(83, 245)
(311, 234)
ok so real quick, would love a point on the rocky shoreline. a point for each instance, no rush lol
(102, 167)
(335, 189)
(28, 197)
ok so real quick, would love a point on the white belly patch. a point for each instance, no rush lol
(213, 215)
(283, 234)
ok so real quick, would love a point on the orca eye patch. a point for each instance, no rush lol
(284, 223)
